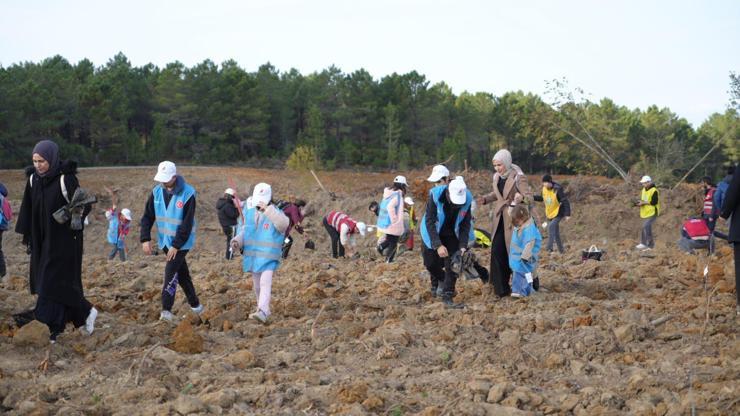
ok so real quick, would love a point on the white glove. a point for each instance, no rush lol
(544, 224)
(529, 277)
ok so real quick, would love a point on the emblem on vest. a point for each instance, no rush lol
(180, 204)
(266, 226)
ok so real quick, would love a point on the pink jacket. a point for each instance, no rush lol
(395, 211)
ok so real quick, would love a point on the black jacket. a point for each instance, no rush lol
(56, 250)
(560, 194)
(451, 212)
(731, 207)
(188, 217)
(227, 212)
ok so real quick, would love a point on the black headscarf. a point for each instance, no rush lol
(50, 152)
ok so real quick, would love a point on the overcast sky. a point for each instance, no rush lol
(669, 53)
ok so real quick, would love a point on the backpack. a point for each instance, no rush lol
(6, 213)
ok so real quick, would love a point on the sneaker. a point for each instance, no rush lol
(516, 295)
(647, 249)
(90, 321)
(450, 304)
(259, 316)
(166, 316)
(641, 246)
(198, 309)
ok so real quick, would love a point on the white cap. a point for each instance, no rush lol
(438, 172)
(362, 228)
(230, 191)
(262, 193)
(458, 191)
(408, 201)
(400, 179)
(165, 172)
(646, 179)
(126, 213)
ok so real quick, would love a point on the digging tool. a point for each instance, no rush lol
(332, 195)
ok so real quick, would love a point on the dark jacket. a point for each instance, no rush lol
(448, 228)
(188, 216)
(564, 210)
(731, 207)
(56, 250)
(227, 212)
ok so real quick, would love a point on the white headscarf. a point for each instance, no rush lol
(504, 156)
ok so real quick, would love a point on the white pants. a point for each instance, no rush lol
(263, 289)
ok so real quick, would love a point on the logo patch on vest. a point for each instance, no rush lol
(266, 226)
(180, 204)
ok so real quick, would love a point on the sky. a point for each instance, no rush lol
(675, 54)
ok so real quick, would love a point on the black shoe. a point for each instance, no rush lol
(434, 292)
(450, 304)
(379, 249)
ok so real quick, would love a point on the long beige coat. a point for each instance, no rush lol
(515, 183)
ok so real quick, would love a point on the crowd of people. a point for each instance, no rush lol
(259, 229)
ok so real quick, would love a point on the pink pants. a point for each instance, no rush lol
(263, 289)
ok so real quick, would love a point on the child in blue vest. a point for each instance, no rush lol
(261, 238)
(526, 242)
(118, 227)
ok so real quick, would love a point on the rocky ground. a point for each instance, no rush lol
(637, 333)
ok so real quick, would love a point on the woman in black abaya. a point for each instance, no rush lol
(56, 249)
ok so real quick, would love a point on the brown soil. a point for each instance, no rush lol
(364, 337)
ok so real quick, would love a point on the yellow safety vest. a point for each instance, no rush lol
(647, 211)
(552, 205)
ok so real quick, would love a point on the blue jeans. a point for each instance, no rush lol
(119, 250)
(520, 285)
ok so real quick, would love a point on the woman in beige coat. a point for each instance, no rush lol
(510, 188)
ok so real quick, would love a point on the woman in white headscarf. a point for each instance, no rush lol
(510, 188)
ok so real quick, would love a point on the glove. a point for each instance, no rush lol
(529, 277)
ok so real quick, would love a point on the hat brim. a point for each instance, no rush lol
(164, 177)
(128, 217)
(434, 178)
(457, 199)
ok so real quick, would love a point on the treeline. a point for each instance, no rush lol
(209, 114)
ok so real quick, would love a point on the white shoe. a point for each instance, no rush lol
(90, 321)
(198, 309)
(646, 249)
(166, 316)
(259, 316)
(516, 295)
(641, 246)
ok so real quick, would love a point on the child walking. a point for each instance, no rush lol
(526, 242)
(118, 228)
(262, 240)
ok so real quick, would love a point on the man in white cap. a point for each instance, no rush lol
(171, 205)
(445, 229)
(228, 214)
(390, 217)
(649, 211)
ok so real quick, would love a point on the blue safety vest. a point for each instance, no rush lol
(435, 193)
(262, 243)
(113, 228)
(518, 241)
(169, 217)
(384, 217)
